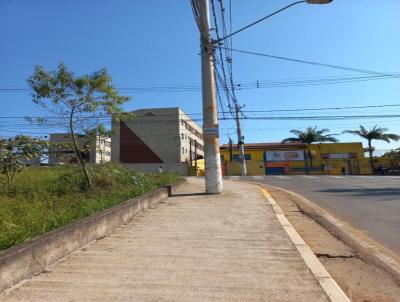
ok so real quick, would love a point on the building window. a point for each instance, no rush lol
(183, 136)
(247, 156)
(183, 150)
(199, 146)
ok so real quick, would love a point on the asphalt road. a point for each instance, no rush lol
(369, 203)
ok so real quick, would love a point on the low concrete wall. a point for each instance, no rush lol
(33, 256)
(179, 168)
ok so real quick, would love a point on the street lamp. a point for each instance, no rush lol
(213, 175)
(319, 1)
(272, 14)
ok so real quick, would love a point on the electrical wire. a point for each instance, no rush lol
(312, 62)
(199, 113)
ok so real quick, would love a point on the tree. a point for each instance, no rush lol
(375, 133)
(308, 136)
(15, 154)
(393, 154)
(76, 102)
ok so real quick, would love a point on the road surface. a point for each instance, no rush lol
(369, 203)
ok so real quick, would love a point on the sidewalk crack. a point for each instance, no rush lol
(322, 255)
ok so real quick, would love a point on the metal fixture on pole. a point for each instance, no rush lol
(272, 14)
(230, 150)
(219, 42)
(242, 159)
(213, 173)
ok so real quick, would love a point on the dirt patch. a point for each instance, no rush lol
(361, 281)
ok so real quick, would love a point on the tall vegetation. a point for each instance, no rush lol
(16, 153)
(374, 133)
(46, 198)
(308, 136)
(75, 102)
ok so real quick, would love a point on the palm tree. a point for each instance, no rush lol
(375, 133)
(308, 136)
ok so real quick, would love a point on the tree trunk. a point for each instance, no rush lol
(9, 180)
(10, 175)
(77, 151)
(371, 156)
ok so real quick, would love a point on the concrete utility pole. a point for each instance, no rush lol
(210, 115)
(242, 159)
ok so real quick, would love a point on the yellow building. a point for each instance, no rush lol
(294, 158)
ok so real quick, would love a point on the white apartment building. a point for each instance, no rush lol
(61, 151)
(155, 137)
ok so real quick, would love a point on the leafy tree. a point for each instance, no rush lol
(375, 133)
(15, 154)
(76, 102)
(394, 156)
(308, 136)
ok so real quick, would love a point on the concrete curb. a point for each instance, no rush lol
(366, 248)
(34, 256)
(325, 280)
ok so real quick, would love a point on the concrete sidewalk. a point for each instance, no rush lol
(228, 247)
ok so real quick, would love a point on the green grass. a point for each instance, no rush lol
(46, 198)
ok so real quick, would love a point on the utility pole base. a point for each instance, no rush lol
(213, 185)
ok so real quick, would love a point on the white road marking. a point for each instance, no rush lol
(258, 177)
(283, 177)
(337, 176)
(390, 178)
(308, 176)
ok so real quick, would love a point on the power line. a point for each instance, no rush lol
(262, 85)
(327, 117)
(259, 20)
(235, 107)
(250, 84)
(325, 108)
(312, 62)
(220, 79)
(246, 111)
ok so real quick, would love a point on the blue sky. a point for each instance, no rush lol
(155, 42)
